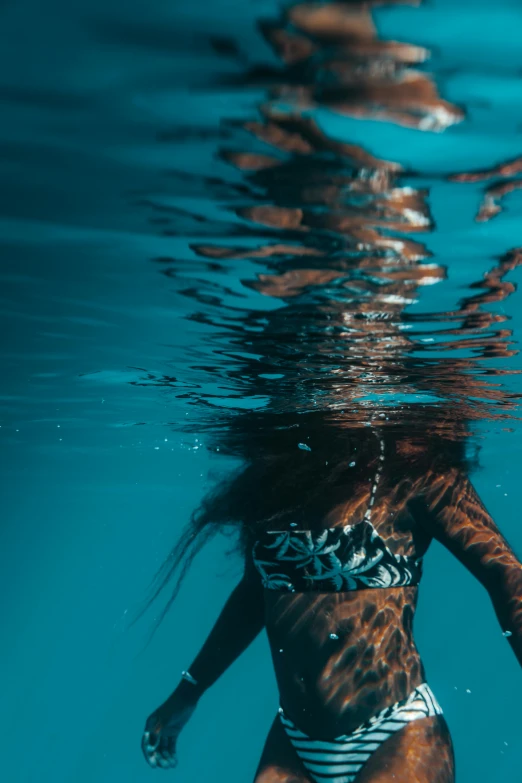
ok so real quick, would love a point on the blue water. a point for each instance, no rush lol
(119, 337)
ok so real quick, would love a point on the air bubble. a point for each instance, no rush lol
(333, 636)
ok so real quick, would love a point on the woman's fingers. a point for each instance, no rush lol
(158, 744)
(159, 751)
(150, 741)
(149, 744)
(167, 751)
(163, 762)
(149, 747)
(169, 761)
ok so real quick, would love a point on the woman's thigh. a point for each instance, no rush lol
(279, 761)
(421, 752)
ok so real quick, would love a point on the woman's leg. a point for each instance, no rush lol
(279, 762)
(421, 752)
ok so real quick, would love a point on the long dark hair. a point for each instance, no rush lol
(298, 467)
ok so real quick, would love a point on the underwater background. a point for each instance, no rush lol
(123, 126)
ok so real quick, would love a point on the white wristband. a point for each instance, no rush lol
(189, 678)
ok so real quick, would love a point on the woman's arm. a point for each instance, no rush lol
(455, 516)
(240, 621)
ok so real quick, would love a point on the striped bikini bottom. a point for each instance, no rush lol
(341, 759)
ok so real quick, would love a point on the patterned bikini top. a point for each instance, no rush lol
(337, 559)
(334, 560)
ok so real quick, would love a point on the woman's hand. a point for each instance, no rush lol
(162, 729)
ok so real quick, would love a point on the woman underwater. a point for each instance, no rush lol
(336, 517)
(333, 541)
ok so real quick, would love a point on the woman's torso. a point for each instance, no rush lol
(342, 655)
